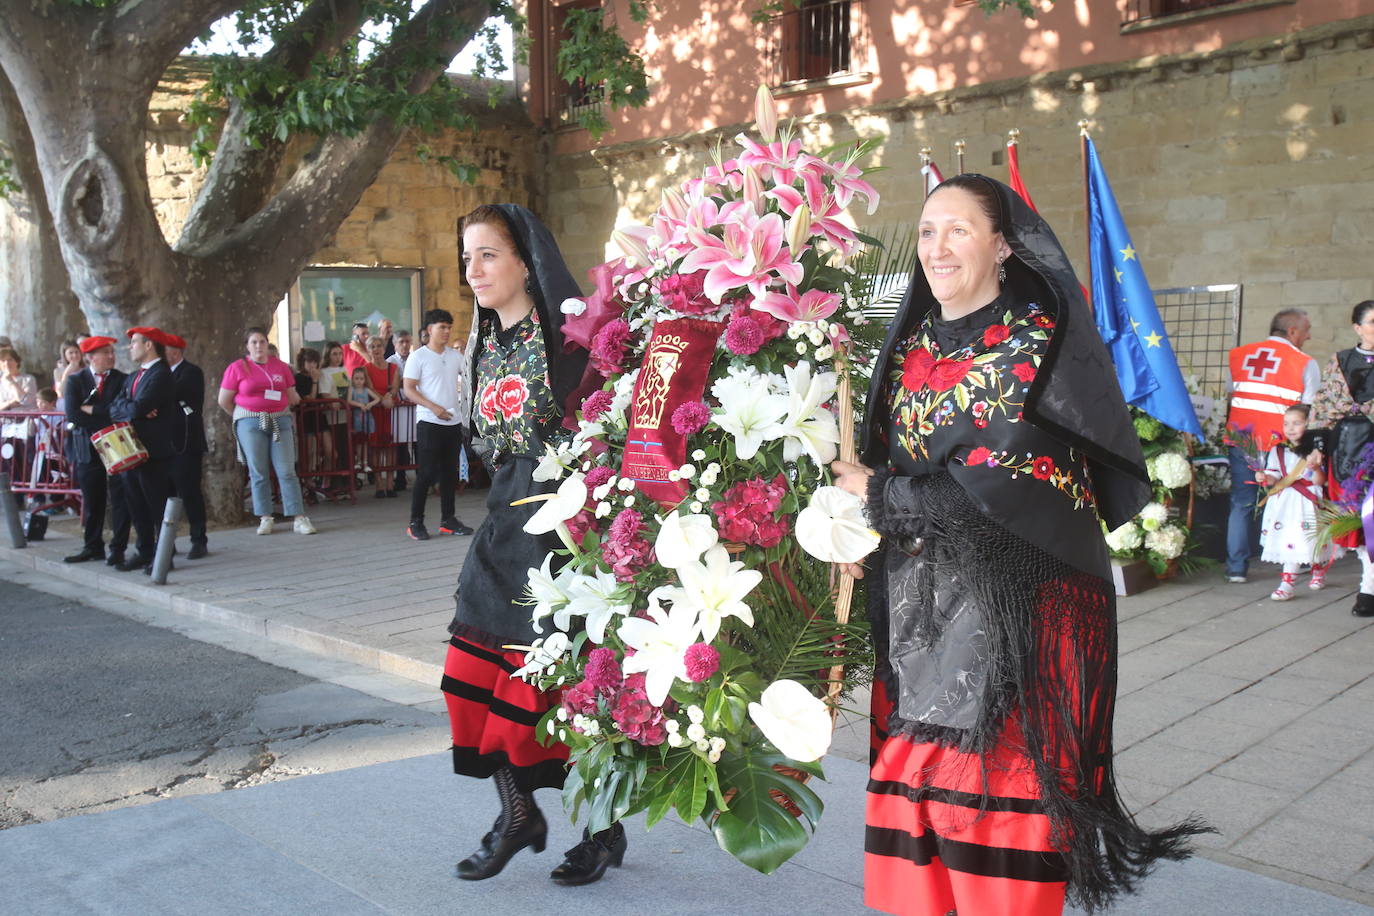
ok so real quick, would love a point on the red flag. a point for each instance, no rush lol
(1014, 169)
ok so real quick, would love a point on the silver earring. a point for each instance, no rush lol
(529, 283)
(1001, 272)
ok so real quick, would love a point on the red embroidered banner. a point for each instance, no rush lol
(674, 371)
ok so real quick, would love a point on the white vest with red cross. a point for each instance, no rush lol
(1266, 379)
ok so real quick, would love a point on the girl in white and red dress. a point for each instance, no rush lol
(996, 442)
(1289, 528)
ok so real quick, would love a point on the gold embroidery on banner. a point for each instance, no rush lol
(662, 361)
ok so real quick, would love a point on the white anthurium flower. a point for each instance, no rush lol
(573, 306)
(541, 655)
(598, 597)
(809, 425)
(586, 431)
(550, 592)
(660, 644)
(683, 538)
(832, 527)
(558, 506)
(748, 411)
(715, 588)
(796, 722)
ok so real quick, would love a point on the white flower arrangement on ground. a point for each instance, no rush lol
(699, 632)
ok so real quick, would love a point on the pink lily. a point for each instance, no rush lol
(633, 240)
(848, 181)
(825, 210)
(812, 305)
(766, 113)
(776, 160)
(752, 254)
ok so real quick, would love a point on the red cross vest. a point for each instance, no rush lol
(1266, 379)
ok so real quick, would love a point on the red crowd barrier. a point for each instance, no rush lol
(33, 447)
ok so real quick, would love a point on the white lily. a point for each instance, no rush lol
(541, 655)
(796, 722)
(553, 465)
(683, 538)
(550, 592)
(748, 411)
(660, 647)
(558, 507)
(714, 588)
(598, 597)
(832, 527)
(809, 426)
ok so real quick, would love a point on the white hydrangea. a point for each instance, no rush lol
(1171, 469)
(1153, 516)
(1126, 538)
(1167, 541)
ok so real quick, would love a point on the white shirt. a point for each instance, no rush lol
(439, 377)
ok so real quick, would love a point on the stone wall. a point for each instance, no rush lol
(407, 218)
(1251, 164)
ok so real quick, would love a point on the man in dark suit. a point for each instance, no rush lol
(149, 404)
(188, 456)
(87, 396)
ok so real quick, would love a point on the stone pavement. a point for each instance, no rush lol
(1252, 713)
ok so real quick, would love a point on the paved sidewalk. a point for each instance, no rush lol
(1253, 713)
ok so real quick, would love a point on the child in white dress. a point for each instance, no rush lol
(1289, 527)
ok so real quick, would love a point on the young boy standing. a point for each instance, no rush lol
(433, 380)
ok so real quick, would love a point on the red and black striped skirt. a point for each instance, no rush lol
(934, 845)
(493, 716)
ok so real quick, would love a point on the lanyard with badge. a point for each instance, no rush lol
(271, 394)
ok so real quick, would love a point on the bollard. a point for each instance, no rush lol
(166, 540)
(11, 510)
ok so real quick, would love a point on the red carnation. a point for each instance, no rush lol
(603, 671)
(686, 294)
(609, 345)
(743, 336)
(1024, 371)
(597, 476)
(597, 403)
(995, 334)
(948, 372)
(979, 455)
(916, 369)
(691, 418)
(1043, 468)
(702, 661)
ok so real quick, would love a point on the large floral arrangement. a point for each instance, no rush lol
(1159, 534)
(694, 633)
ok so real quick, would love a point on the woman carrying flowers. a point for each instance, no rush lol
(522, 376)
(999, 435)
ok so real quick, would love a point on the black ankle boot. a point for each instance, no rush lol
(587, 861)
(1364, 605)
(499, 845)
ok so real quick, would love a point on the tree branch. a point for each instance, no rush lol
(241, 175)
(163, 28)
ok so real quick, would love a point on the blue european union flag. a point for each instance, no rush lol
(1126, 314)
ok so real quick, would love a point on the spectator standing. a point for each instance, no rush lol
(86, 399)
(355, 351)
(385, 379)
(403, 415)
(188, 458)
(1266, 377)
(434, 381)
(72, 361)
(148, 403)
(18, 391)
(384, 332)
(312, 385)
(257, 391)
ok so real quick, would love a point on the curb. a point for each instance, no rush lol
(327, 645)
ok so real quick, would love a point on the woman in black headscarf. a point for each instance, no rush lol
(999, 438)
(521, 376)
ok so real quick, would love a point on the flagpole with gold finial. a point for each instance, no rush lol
(959, 155)
(925, 173)
(1087, 208)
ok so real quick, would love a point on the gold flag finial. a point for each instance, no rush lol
(1014, 136)
(1083, 127)
(925, 154)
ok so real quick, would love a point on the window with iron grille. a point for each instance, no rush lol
(1145, 10)
(814, 40)
(570, 100)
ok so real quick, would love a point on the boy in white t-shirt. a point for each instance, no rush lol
(433, 380)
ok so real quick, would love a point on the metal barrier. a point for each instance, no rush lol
(33, 453)
(324, 444)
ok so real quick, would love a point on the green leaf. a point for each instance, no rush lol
(756, 829)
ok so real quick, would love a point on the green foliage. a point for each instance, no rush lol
(594, 54)
(9, 183)
(756, 829)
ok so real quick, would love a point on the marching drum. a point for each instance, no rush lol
(118, 448)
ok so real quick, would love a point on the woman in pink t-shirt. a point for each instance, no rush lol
(258, 392)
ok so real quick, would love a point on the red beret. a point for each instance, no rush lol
(156, 335)
(91, 344)
(175, 340)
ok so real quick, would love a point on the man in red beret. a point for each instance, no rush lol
(86, 398)
(148, 403)
(188, 457)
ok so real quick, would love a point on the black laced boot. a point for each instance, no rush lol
(519, 824)
(586, 862)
